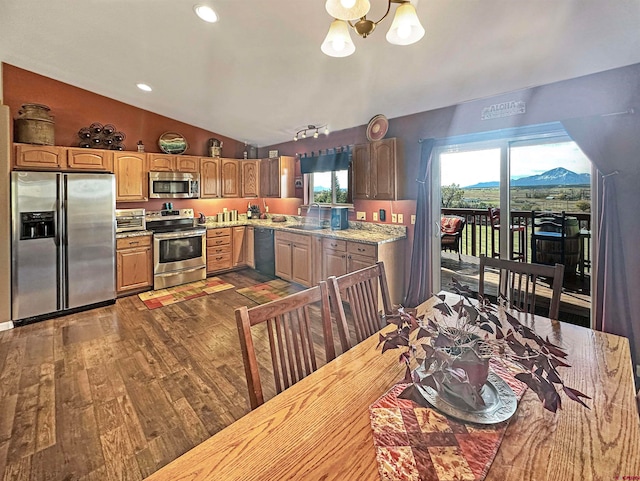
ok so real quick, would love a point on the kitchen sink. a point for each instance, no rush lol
(306, 227)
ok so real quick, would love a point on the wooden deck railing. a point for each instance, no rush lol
(478, 237)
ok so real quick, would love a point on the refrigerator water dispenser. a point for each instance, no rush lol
(37, 225)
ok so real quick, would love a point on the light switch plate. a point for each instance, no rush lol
(375, 216)
(400, 218)
(394, 218)
(361, 216)
(413, 219)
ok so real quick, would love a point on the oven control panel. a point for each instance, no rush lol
(169, 214)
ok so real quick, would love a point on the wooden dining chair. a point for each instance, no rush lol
(288, 329)
(518, 281)
(359, 289)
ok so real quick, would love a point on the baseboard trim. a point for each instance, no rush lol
(5, 326)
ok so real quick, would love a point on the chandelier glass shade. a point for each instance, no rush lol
(347, 9)
(314, 129)
(405, 28)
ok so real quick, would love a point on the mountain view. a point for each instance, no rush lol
(554, 177)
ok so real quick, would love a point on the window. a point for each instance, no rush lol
(328, 187)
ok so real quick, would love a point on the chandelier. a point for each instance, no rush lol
(405, 28)
(302, 133)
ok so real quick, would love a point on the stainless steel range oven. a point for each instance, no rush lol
(179, 248)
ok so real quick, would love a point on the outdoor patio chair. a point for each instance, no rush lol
(494, 218)
(451, 233)
(518, 281)
(288, 331)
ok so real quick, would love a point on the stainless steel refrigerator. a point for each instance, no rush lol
(63, 243)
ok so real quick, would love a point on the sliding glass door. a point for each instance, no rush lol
(515, 174)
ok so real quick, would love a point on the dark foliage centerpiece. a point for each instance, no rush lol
(452, 355)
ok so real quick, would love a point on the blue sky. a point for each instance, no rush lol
(469, 168)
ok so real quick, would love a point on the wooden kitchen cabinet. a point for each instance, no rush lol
(134, 263)
(293, 257)
(40, 157)
(334, 253)
(209, 178)
(250, 248)
(374, 167)
(131, 176)
(219, 254)
(340, 257)
(230, 177)
(93, 160)
(173, 163)
(277, 177)
(250, 178)
(360, 256)
(238, 250)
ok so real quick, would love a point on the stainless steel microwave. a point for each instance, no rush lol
(174, 185)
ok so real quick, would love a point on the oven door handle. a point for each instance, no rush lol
(183, 271)
(180, 234)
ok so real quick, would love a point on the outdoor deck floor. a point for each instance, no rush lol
(575, 302)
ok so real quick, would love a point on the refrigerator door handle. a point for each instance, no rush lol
(62, 241)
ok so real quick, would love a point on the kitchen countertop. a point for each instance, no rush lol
(364, 232)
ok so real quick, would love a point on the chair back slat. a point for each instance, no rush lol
(360, 291)
(518, 283)
(288, 322)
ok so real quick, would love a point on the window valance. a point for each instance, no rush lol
(333, 159)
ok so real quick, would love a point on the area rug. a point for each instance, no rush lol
(269, 291)
(184, 292)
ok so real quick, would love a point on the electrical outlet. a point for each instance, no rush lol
(266, 209)
(413, 219)
(299, 211)
(400, 218)
(394, 218)
(375, 216)
(361, 216)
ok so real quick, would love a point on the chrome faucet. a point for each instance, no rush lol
(319, 212)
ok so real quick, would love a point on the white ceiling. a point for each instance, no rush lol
(258, 75)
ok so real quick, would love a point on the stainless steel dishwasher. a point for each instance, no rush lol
(264, 251)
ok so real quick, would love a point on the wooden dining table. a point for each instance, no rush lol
(319, 429)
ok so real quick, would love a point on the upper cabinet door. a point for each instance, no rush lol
(209, 177)
(41, 157)
(383, 169)
(230, 177)
(131, 176)
(250, 178)
(187, 164)
(90, 159)
(161, 163)
(361, 174)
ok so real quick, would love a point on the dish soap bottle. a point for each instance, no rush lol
(249, 210)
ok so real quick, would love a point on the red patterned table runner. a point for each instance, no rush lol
(420, 444)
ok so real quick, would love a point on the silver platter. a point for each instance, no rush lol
(500, 403)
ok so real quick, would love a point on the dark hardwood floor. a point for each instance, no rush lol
(116, 393)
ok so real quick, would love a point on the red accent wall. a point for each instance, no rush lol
(74, 108)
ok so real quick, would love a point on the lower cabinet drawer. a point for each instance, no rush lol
(133, 241)
(218, 241)
(218, 250)
(218, 262)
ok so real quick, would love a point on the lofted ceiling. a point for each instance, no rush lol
(258, 74)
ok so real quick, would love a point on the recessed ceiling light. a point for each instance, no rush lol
(206, 13)
(144, 87)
